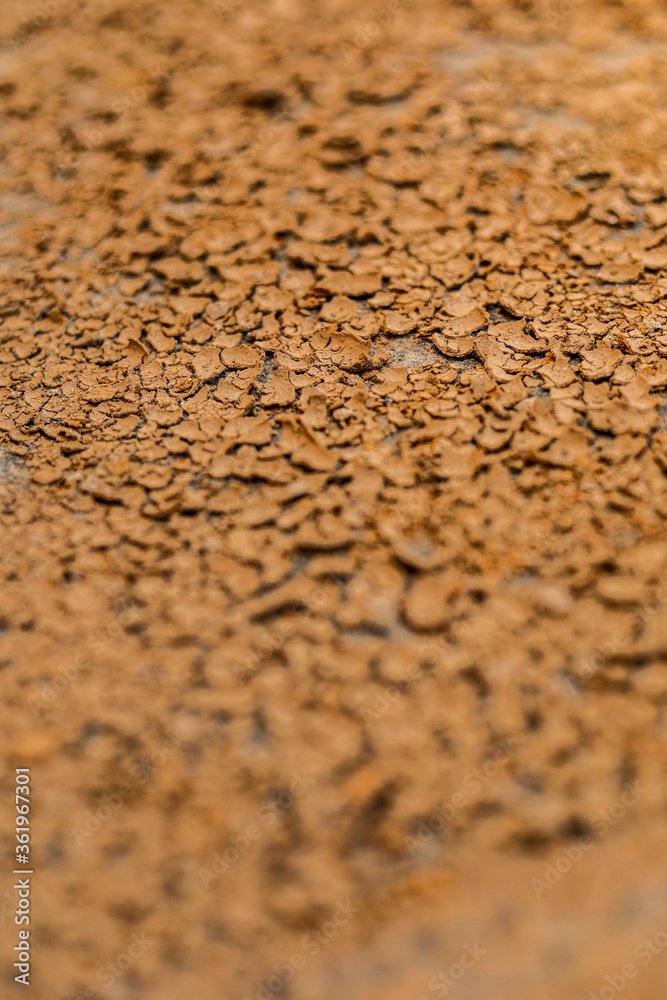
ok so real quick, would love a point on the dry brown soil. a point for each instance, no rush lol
(333, 444)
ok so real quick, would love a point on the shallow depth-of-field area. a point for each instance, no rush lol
(333, 454)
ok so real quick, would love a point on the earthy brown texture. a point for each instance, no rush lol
(333, 447)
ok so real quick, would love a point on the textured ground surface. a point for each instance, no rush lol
(333, 369)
